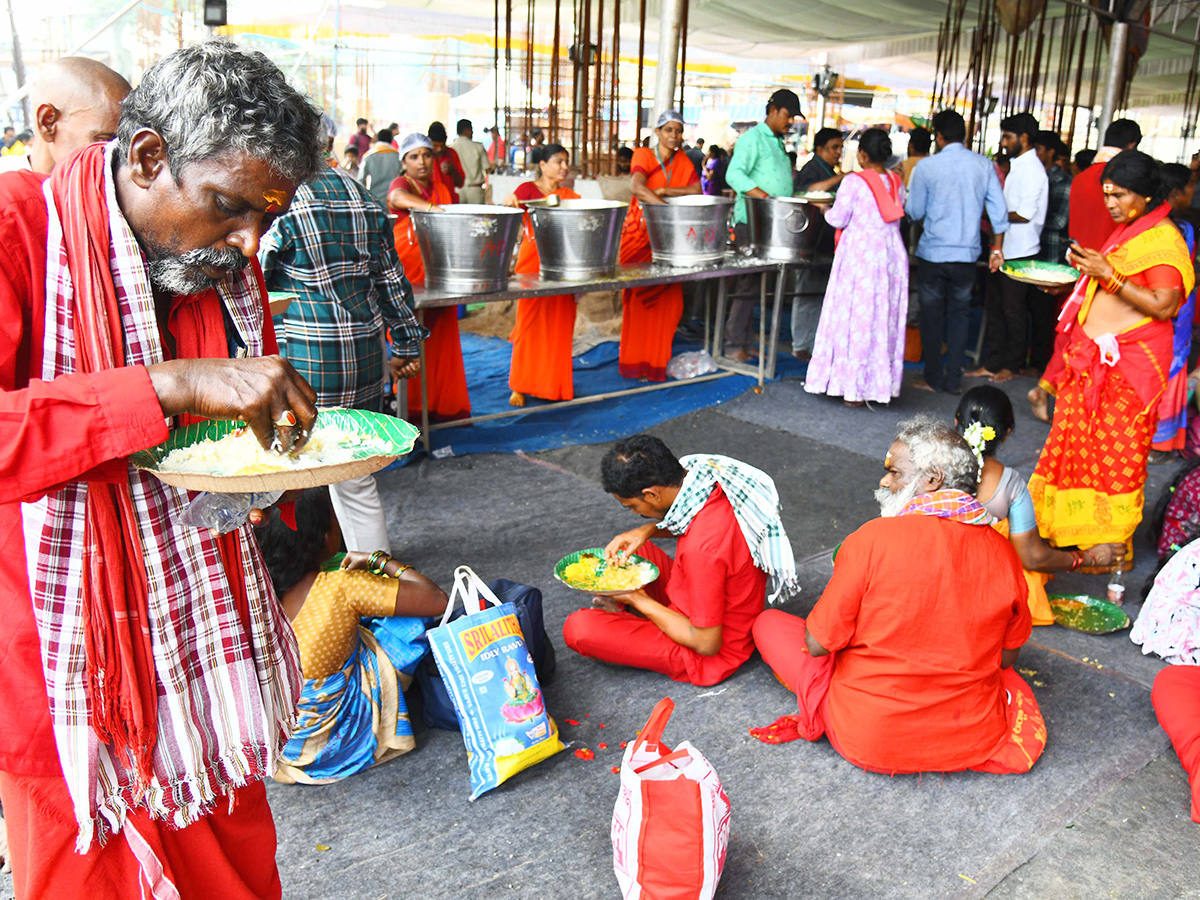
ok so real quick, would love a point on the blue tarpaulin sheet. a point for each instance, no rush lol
(487, 363)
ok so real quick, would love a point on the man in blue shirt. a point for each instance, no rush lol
(949, 193)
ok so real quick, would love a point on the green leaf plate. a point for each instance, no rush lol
(399, 435)
(562, 564)
(1040, 273)
(1091, 615)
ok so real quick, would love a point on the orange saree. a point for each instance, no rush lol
(1088, 486)
(541, 356)
(651, 314)
(445, 377)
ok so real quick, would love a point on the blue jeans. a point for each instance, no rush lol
(944, 290)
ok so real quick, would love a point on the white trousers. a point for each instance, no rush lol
(360, 513)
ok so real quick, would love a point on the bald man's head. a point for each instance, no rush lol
(77, 101)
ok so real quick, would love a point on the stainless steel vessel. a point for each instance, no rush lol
(467, 247)
(688, 231)
(578, 239)
(784, 228)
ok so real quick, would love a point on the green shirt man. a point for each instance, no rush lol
(760, 166)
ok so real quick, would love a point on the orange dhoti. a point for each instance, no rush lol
(230, 853)
(445, 376)
(542, 365)
(650, 315)
(541, 357)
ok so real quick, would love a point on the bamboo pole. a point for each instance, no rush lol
(637, 124)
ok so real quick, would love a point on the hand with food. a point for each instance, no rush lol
(264, 392)
(624, 545)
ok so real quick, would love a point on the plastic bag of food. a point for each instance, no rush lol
(692, 364)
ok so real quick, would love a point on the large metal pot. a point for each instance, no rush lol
(467, 247)
(784, 228)
(578, 239)
(688, 231)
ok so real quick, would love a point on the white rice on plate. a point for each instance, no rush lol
(239, 453)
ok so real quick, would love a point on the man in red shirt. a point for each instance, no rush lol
(695, 620)
(131, 302)
(447, 167)
(905, 662)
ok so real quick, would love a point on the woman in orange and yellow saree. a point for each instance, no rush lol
(1088, 487)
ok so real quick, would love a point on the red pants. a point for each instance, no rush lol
(1176, 699)
(624, 639)
(779, 637)
(224, 855)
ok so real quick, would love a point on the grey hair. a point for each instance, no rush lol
(215, 97)
(937, 449)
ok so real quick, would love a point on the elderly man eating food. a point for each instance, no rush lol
(905, 662)
(151, 676)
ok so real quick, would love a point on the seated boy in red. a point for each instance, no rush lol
(694, 623)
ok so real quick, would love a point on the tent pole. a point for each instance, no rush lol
(637, 118)
(1116, 64)
(669, 26)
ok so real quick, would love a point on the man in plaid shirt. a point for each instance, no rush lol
(333, 250)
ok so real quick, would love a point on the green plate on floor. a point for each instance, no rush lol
(1090, 615)
(649, 570)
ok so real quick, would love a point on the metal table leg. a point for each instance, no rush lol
(426, 441)
(776, 320)
(762, 325)
(718, 347)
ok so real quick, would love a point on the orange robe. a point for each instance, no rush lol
(445, 377)
(541, 357)
(651, 314)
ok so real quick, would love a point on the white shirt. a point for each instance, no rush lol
(15, 163)
(1027, 193)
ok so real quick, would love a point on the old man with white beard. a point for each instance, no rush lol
(905, 662)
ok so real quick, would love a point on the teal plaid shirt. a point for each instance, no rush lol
(334, 250)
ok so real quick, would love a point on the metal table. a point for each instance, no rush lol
(640, 275)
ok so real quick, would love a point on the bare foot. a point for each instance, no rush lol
(1003, 376)
(802, 355)
(981, 372)
(516, 399)
(921, 384)
(854, 402)
(1039, 403)
(739, 356)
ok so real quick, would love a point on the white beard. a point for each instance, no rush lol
(891, 505)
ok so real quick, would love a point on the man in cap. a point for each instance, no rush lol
(759, 168)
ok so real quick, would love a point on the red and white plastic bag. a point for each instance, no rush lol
(670, 826)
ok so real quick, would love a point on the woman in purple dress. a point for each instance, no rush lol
(859, 350)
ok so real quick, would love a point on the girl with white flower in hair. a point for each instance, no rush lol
(985, 419)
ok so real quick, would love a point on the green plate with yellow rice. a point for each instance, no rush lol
(640, 573)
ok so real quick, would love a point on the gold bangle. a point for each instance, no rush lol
(377, 561)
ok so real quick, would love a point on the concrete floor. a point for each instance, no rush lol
(1104, 812)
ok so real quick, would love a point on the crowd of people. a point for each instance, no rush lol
(157, 673)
